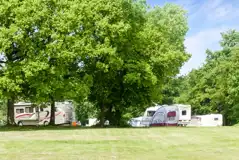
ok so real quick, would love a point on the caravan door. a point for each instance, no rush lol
(159, 118)
(59, 116)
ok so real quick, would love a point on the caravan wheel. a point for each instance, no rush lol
(46, 123)
(20, 123)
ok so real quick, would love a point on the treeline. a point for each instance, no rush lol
(114, 55)
(214, 87)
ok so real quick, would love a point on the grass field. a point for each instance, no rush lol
(123, 144)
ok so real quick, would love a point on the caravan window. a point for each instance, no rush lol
(184, 112)
(19, 111)
(215, 119)
(150, 113)
(29, 110)
(171, 114)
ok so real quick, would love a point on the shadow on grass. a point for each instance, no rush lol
(37, 128)
(59, 127)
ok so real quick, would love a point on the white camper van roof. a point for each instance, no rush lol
(22, 104)
(57, 104)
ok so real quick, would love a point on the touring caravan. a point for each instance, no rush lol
(172, 115)
(145, 119)
(184, 114)
(27, 114)
(91, 122)
(212, 120)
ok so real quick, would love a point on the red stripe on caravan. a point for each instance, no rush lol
(24, 115)
(58, 114)
(163, 124)
(49, 117)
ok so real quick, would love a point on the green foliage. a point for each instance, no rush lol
(85, 110)
(3, 110)
(171, 91)
(42, 51)
(134, 50)
(230, 39)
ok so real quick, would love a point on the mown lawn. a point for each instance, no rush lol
(123, 144)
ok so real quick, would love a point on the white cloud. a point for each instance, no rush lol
(223, 12)
(197, 44)
(216, 10)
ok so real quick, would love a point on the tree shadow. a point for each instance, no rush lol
(57, 128)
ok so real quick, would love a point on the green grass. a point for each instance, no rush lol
(121, 144)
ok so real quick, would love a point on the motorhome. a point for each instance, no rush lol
(27, 114)
(172, 115)
(212, 120)
(144, 120)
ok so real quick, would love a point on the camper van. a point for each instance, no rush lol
(212, 120)
(172, 115)
(145, 119)
(27, 114)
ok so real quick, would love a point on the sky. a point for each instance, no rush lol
(206, 20)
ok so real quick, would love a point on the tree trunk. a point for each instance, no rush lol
(109, 114)
(52, 119)
(224, 120)
(10, 112)
(118, 116)
(102, 116)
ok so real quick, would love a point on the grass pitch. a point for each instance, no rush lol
(169, 143)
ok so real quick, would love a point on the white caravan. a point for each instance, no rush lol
(92, 122)
(145, 119)
(26, 114)
(184, 114)
(172, 115)
(95, 121)
(210, 120)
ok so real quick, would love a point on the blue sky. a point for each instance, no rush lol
(206, 20)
